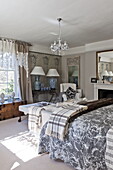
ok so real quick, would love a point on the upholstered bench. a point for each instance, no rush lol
(48, 108)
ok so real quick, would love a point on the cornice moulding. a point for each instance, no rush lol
(75, 50)
(39, 48)
(96, 46)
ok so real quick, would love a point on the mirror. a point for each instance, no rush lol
(74, 70)
(104, 66)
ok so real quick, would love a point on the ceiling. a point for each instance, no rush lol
(35, 21)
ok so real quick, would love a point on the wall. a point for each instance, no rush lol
(90, 71)
(87, 69)
(47, 61)
(64, 69)
(87, 55)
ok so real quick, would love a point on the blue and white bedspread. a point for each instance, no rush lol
(84, 145)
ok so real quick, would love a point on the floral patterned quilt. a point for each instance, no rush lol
(84, 145)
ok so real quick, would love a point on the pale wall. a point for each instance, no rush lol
(87, 71)
(90, 71)
(46, 61)
(87, 55)
(64, 69)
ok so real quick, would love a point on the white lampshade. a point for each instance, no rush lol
(52, 73)
(105, 73)
(38, 71)
(110, 73)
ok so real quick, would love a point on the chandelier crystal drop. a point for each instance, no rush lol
(58, 46)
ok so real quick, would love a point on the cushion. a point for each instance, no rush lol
(70, 93)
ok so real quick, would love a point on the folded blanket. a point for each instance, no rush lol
(94, 104)
(58, 122)
(35, 118)
(109, 149)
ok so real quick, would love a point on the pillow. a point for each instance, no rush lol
(70, 93)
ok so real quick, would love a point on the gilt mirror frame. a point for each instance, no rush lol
(98, 59)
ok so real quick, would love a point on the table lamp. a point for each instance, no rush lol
(105, 75)
(52, 73)
(37, 71)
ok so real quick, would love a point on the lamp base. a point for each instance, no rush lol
(37, 84)
(52, 83)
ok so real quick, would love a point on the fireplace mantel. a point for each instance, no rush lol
(101, 86)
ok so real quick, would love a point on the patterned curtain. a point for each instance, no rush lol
(7, 48)
(22, 50)
(8, 62)
(19, 52)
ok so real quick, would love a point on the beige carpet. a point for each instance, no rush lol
(18, 149)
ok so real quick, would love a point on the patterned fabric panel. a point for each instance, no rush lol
(84, 146)
(70, 93)
(58, 122)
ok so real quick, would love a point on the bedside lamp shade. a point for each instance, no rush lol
(52, 73)
(110, 73)
(75, 73)
(38, 71)
(105, 73)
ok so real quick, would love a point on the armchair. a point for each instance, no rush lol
(65, 86)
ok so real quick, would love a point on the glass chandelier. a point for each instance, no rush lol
(58, 46)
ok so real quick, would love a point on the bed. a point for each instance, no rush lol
(84, 145)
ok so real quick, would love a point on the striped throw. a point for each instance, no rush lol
(35, 118)
(58, 122)
(109, 149)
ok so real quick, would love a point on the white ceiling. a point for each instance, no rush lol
(84, 21)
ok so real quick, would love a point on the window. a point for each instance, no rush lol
(8, 74)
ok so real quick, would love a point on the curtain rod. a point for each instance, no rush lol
(18, 41)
